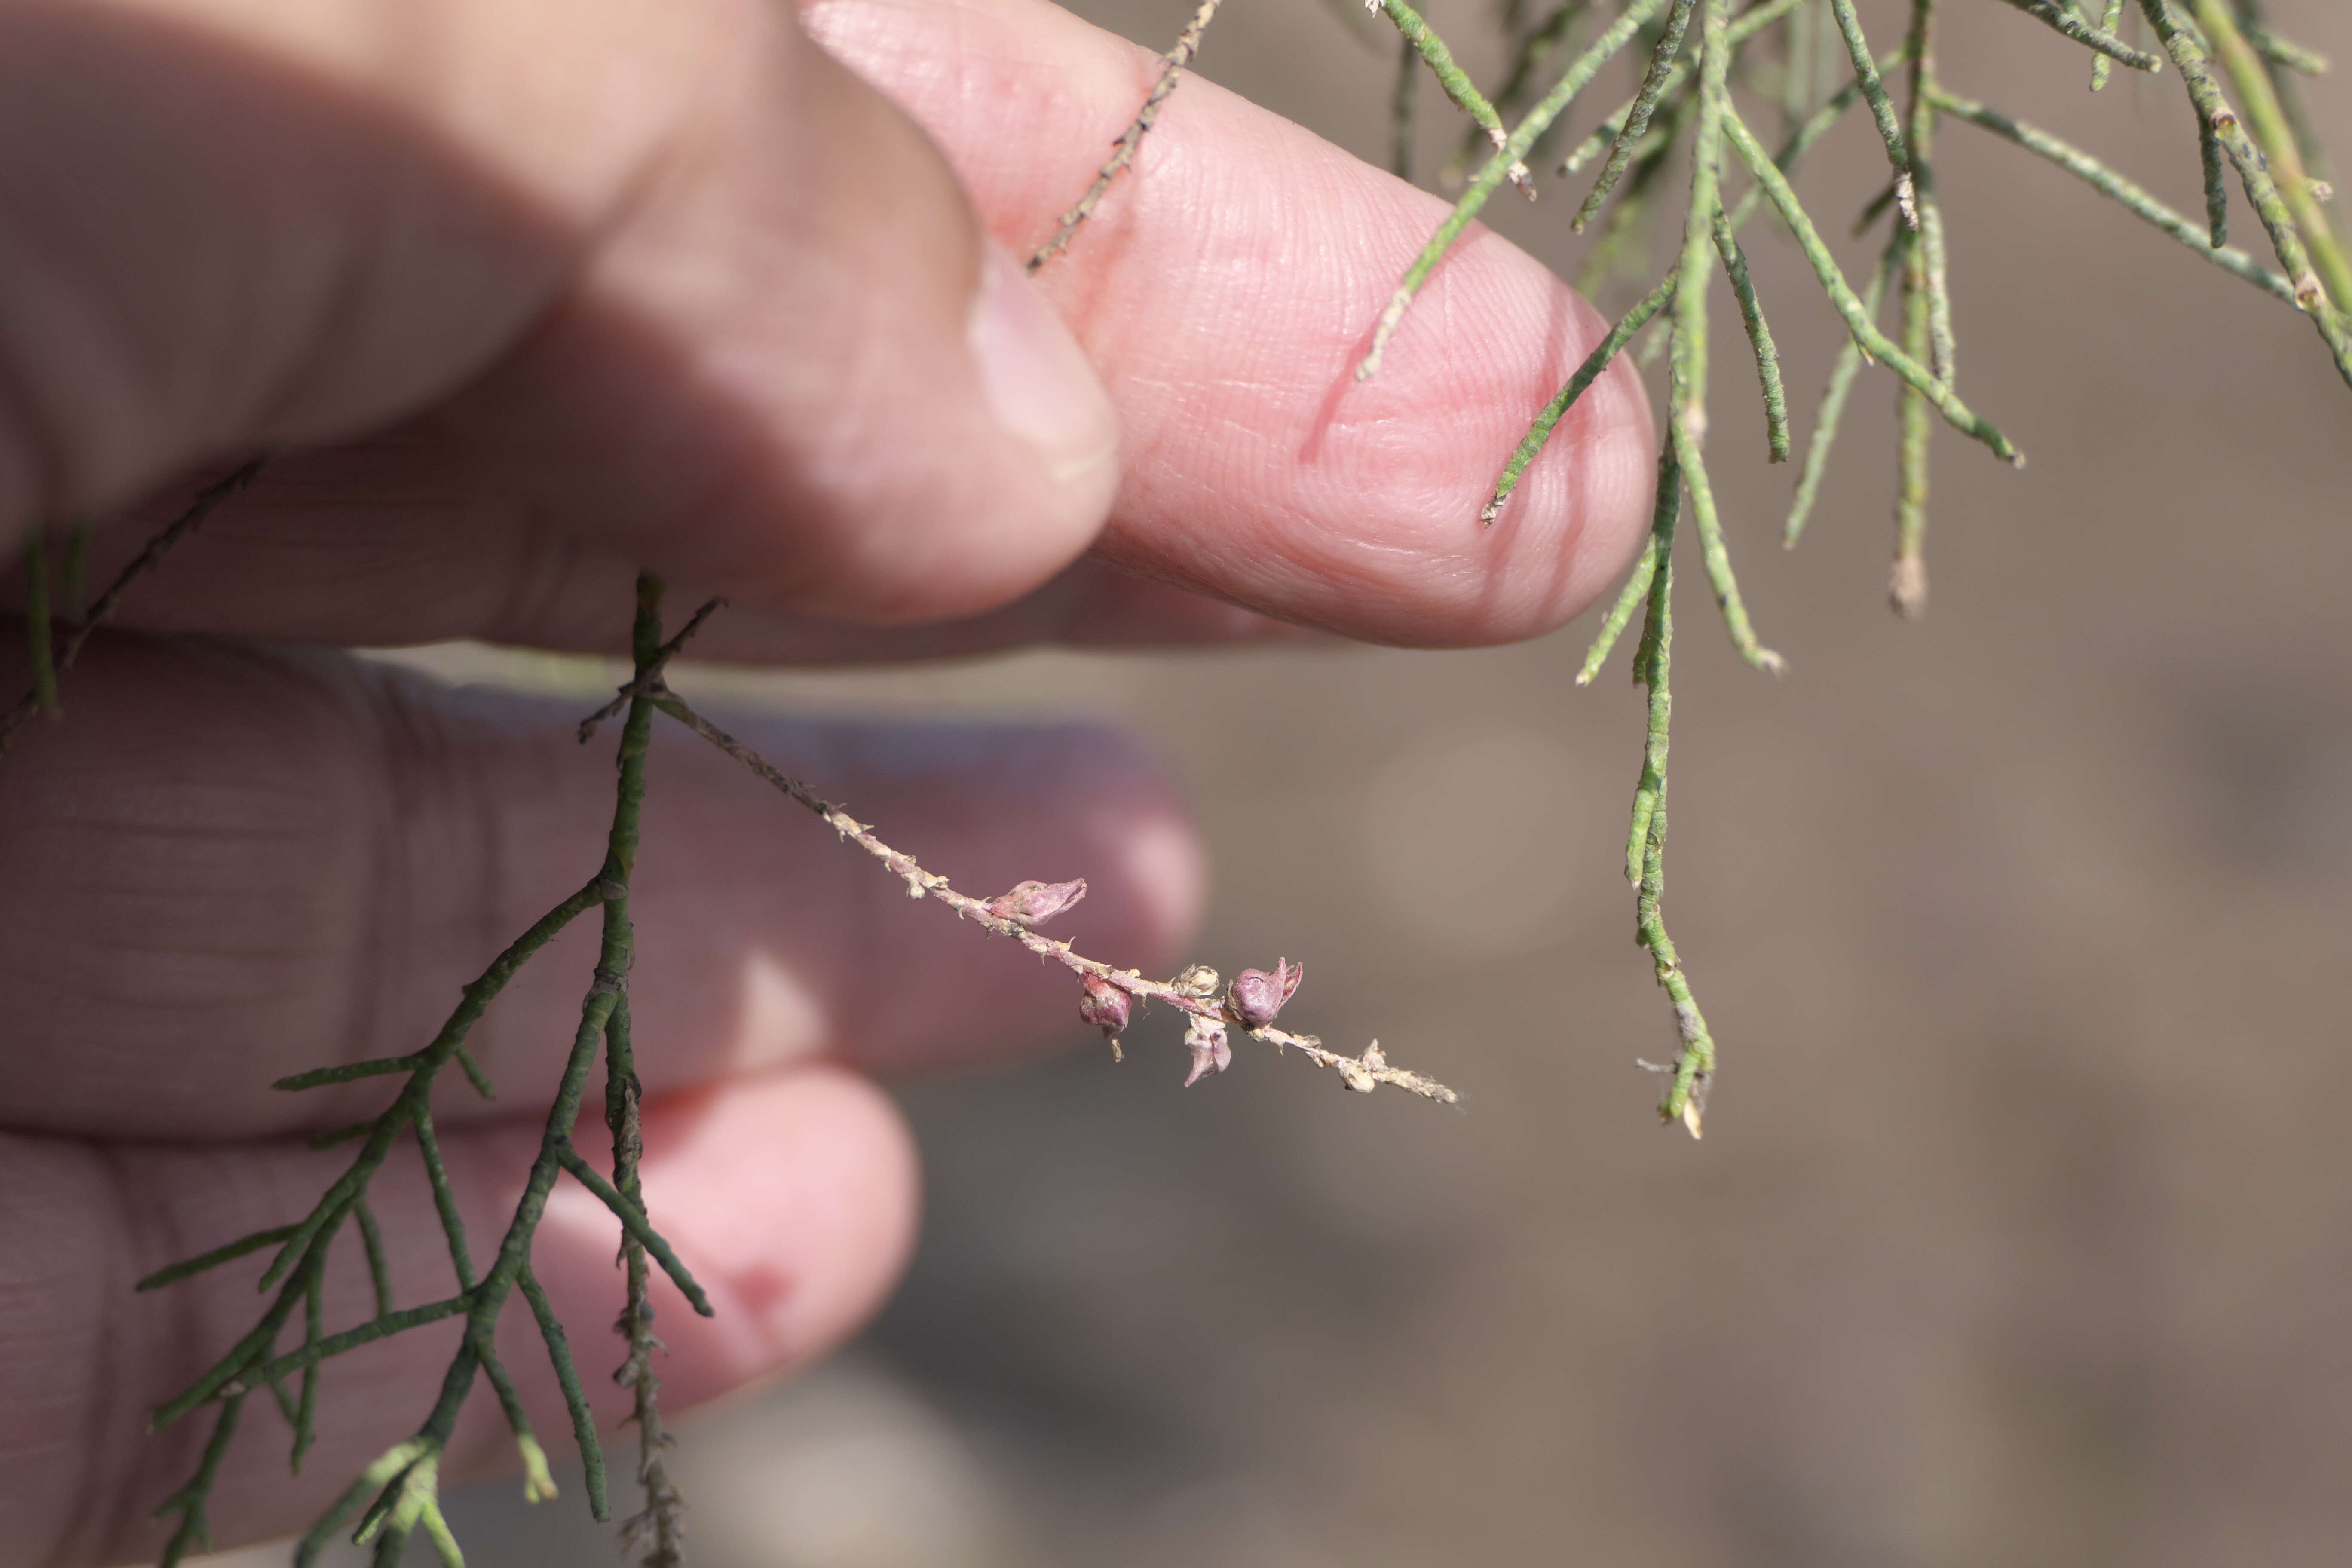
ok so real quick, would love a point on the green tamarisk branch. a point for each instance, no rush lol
(1759, 337)
(2279, 146)
(1799, 141)
(2298, 230)
(2132, 197)
(1873, 342)
(1882, 108)
(1457, 84)
(658, 1528)
(214, 1258)
(1637, 118)
(1533, 52)
(1926, 333)
(2110, 22)
(1693, 1071)
(1573, 81)
(633, 1218)
(1932, 267)
(187, 522)
(2065, 20)
(1749, 22)
(1608, 349)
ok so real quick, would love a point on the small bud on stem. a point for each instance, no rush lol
(1211, 1050)
(1256, 996)
(1034, 903)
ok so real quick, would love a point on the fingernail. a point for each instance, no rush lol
(1036, 378)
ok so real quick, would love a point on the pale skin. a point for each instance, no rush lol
(531, 294)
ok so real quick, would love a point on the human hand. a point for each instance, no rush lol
(534, 296)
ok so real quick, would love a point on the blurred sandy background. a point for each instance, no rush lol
(2022, 1232)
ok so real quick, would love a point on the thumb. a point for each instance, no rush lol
(670, 279)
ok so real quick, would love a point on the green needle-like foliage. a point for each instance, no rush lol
(2271, 150)
(1456, 82)
(1637, 118)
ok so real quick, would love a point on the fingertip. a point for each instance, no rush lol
(1582, 509)
(792, 1198)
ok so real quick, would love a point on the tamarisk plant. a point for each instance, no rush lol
(1812, 60)
(2240, 80)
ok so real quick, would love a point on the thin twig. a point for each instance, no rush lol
(1534, 52)
(2065, 21)
(179, 527)
(1849, 305)
(1882, 108)
(1760, 339)
(1750, 22)
(576, 1397)
(2127, 194)
(1667, 506)
(633, 1219)
(646, 681)
(1694, 1068)
(2275, 212)
(1799, 142)
(1456, 82)
(194, 1533)
(2110, 24)
(1586, 373)
(2280, 152)
(1933, 263)
(661, 1525)
(1171, 72)
(1573, 81)
(1637, 120)
(1361, 1073)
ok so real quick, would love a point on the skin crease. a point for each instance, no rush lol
(532, 293)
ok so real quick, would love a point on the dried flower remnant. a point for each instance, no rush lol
(1362, 1074)
(1034, 903)
(1197, 980)
(1256, 996)
(1211, 1050)
(1106, 1007)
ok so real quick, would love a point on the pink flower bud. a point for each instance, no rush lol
(1212, 1052)
(1105, 1005)
(1034, 903)
(1256, 996)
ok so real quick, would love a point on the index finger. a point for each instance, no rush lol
(1226, 290)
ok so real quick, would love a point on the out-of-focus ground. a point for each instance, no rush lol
(2022, 1230)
